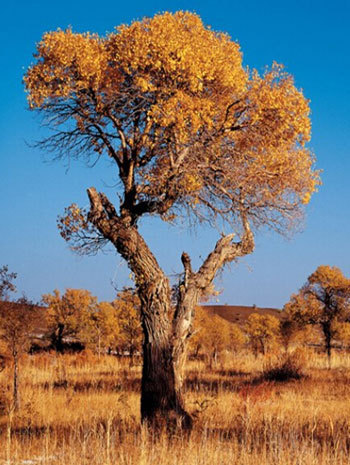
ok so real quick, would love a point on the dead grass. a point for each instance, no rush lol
(81, 410)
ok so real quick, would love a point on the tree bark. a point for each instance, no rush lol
(326, 328)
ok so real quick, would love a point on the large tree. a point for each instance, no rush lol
(193, 135)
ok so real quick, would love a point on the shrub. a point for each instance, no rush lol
(289, 367)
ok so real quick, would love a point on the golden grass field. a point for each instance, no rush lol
(78, 409)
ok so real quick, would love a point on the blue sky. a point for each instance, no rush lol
(310, 38)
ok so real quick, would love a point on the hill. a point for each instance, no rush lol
(239, 313)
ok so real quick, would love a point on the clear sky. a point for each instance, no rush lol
(311, 38)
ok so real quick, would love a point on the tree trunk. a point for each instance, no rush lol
(57, 338)
(162, 404)
(161, 396)
(15, 383)
(326, 328)
(166, 329)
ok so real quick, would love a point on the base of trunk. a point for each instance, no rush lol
(161, 399)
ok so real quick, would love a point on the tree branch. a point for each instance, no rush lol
(225, 251)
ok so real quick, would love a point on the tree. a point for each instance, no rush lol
(324, 300)
(212, 335)
(193, 135)
(342, 333)
(262, 330)
(6, 282)
(237, 338)
(102, 328)
(127, 310)
(17, 322)
(68, 315)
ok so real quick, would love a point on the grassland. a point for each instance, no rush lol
(78, 409)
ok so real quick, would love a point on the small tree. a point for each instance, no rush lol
(6, 282)
(263, 331)
(68, 315)
(324, 300)
(288, 330)
(102, 328)
(237, 338)
(342, 333)
(127, 311)
(213, 335)
(17, 322)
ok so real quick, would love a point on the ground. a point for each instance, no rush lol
(79, 409)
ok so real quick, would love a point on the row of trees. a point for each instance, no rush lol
(102, 326)
(106, 327)
(321, 307)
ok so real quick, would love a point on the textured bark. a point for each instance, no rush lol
(166, 330)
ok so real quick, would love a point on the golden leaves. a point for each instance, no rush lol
(73, 221)
(169, 85)
(66, 63)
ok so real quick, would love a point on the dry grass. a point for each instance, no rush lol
(77, 409)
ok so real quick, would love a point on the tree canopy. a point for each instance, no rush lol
(190, 129)
(324, 300)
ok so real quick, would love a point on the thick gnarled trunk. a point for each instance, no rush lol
(161, 395)
(161, 401)
(166, 327)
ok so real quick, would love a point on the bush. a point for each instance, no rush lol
(290, 367)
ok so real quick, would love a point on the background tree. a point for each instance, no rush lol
(68, 315)
(6, 282)
(127, 311)
(192, 134)
(237, 338)
(324, 300)
(288, 331)
(101, 329)
(213, 335)
(263, 331)
(18, 319)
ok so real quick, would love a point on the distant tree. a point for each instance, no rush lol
(17, 321)
(263, 331)
(68, 315)
(6, 282)
(213, 335)
(324, 300)
(193, 135)
(293, 333)
(288, 330)
(127, 311)
(102, 328)
(237, 338)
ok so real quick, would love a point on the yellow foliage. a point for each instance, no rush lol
(69, 314)
(194, 122)
(262, 330)
(214, 335)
